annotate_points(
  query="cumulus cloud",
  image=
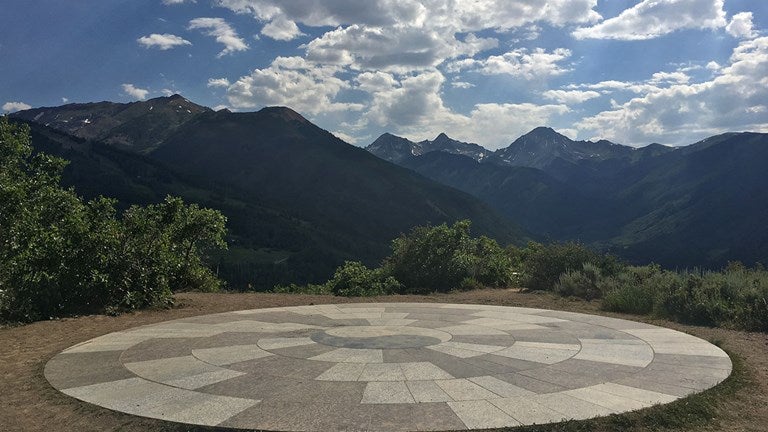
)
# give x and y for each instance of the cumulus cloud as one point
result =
(218, 82)
(294, 82)
(735, 99)
(135, 92)
(10, 107)
(519, 63)
(281, 29)
(414, 108)
(400, 49)
(163, 41)
(406, 35)
(741, 25)
(571, 97)
(462, 84)
(222, 31)
(653, 18)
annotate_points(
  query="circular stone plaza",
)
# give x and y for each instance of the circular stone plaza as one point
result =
(387, 367)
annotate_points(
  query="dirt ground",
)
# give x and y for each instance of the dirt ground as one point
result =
(29, 403)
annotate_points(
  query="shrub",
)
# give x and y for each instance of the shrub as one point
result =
(542, 265)
(439, 258)
(632, 290)
(60, 255)
(583, 284)
(355, 279)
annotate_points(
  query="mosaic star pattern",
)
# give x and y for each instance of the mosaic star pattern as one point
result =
(387, 367)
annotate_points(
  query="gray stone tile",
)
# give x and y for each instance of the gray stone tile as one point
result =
(427, 391)
(464, 390)
(529, 383)
(81, 369)
(418, 417)
(395, 392)
(154, 349)
(571, 407)
(481, 414)
(501, 388)
(562, 378)
(526, 411)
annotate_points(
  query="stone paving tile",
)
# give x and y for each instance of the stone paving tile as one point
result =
(464, 389)
(526, 411)
(81, 369)
(222, 356)
(387, 393)
(501, 388)
(629, 353)
(494, 366)
(382, 372)
(481, 414)
(571, 407)
(427, 391)
(410, 417)
(418, 371)
(154, 349)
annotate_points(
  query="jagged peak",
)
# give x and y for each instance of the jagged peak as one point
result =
(284, 113)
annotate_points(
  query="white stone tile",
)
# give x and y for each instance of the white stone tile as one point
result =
(427, 391)
(485, 349)
(391, 392)
(501, 388)
(629, 354)
(526, 411)
(261, 327)
(571, 407)
(611, 401)
(645, 396)
(481, 415)
(222, 356)
(132, 395)
(200, 408)
(390, 322)
(695, 348)
(350, 355)
(417, 371)
(382, 372)
(464, 390)
(505, 325)
(518, 317)
(456, 352)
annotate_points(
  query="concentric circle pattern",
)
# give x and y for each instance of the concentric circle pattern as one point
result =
(387, 366)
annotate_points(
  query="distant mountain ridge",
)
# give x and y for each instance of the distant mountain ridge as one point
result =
(396, 149)
(693, 206)
(299, 201)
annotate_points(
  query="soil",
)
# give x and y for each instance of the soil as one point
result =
(29, 403)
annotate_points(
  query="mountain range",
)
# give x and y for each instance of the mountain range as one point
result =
(299, 201)
(700, 205)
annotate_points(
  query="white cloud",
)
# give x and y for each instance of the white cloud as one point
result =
(10, 107)
(415, 109)
(741, 25)
(294, 82)
(281, 29)
(64, 100)
(163, 41)
(222, 31)
(406, 35)
(398, 49)
(372, 82)
(713, 66)
(345, 137)
(537, 64)
(218, 82)
(571, 97)
(669, 77)
(734, 100)
(653, 18)
(462, 84)
(176, 2)
(135, 92)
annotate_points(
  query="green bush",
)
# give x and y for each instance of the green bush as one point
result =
(439, 258)
(60, 255)
(542, 265)
(633, 290)
(353, 279)
(582, 284)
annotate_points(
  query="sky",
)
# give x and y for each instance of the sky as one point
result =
(484, 71)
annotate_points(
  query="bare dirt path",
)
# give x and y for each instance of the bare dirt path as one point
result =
(29, 403)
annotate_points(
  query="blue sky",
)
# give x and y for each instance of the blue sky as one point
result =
(484, 71)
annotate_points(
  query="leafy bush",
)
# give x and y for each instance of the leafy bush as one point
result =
(633, 290)
(60, 255)
(354, 279)
(583, 284)
(439, 258)
(542, 265)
